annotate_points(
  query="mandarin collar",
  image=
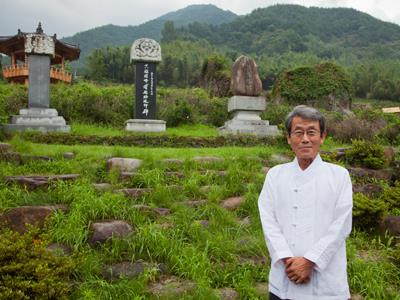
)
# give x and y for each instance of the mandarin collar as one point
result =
(310, 169)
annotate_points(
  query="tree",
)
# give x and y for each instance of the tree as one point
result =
(168, 32)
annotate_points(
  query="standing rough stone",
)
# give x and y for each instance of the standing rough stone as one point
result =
(245, 79)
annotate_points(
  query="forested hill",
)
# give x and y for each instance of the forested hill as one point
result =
(124, 35)
(282, 28)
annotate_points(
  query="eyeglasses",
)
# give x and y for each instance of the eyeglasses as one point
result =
(312, 133)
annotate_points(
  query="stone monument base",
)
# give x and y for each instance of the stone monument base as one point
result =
(246, 117)
(254, 127)
(145, 125)
(38, 119)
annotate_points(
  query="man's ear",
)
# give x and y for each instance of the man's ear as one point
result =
(288, 138)
(323, 137)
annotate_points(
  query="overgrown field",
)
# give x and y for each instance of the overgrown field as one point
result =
(201, 249)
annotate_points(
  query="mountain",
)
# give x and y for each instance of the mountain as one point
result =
(282, 28)
(125, 35)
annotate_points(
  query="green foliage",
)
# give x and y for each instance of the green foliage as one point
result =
(29, 271)
(88, 103)
(391, 196)
(178, 113)
(168, 32)
(367, 212)
(366, 154)
(215, 75)
(315, 85)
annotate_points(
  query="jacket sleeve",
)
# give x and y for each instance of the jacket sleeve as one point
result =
(276, 242)
(324, 249)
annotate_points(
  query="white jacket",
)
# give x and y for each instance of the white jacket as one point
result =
(308, 213)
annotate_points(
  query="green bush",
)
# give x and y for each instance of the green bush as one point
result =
(367, 212)
(179, 113)
(325, 85)
(391, 196)
(30, 271)
(366, 154)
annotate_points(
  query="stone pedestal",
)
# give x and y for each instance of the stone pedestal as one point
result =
(246, 117)
(145, 125)
(41, 119)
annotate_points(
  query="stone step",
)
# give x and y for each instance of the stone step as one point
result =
(36, 181)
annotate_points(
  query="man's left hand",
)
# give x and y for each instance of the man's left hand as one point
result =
(299, 269)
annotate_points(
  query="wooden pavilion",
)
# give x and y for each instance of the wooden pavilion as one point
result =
(18, 70)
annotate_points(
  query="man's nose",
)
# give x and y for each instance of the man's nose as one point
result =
(305, 139)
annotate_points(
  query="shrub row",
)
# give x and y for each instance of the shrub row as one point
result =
(85, 102)
(151, 140)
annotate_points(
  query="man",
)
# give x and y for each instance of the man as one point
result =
(306, 214)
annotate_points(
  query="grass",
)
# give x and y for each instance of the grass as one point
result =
(227, 253)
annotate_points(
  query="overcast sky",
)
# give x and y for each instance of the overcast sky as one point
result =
(67, 17)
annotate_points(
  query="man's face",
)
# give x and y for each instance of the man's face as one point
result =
(305, 138)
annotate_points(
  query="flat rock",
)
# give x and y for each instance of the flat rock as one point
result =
(265, 170)
(214, 173)
(68, 155)
(245, 221)
(228, 294)
(11, 157)
(60, 249)
(262, 289)
(173, 161)
(207, 159)
(384, 174)
(194, 203)
(356, 297)
(27, 157)
(133, 192)
(127, 175)
(4, 147)
(370, 190)
(205, 189)
(36, 181)
(203, 223)
(104, 230)
(171, 287)
(124, 164)
(17, 218)
(391, 225)
(245, 79)
(281, 158)
(159, 211)
(123, 270)
(174, 174)
(102, 187)
(389, 154)
(232, 203)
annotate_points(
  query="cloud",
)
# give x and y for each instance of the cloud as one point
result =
(67, 17)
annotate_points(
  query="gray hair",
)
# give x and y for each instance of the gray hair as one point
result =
(305, 112)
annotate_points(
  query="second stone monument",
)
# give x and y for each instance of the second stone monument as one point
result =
(247, 104)
(146, 53)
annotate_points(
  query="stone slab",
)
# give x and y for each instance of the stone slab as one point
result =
(246, 103)
(145, 125)
(39, 81)
(253, 127)
(37, 119)
(42, 128)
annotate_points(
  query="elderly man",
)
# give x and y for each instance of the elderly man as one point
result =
(306, 214)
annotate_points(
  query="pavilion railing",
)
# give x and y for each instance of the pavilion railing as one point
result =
(22, 70)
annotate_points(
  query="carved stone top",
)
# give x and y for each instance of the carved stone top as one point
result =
(146, 50)
(39, 43)
(245, 79)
